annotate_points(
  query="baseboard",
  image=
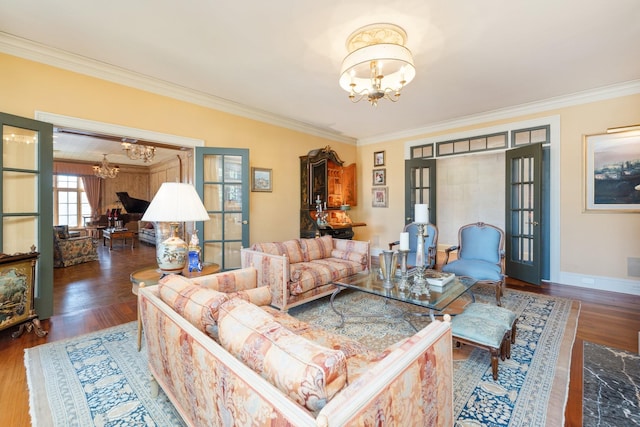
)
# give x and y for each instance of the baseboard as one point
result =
(611, 284)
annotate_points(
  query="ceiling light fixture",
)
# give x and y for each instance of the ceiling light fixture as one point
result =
(378, 65)
(105, 170)
(145, 153)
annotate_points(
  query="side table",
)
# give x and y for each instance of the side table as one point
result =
(150, 276)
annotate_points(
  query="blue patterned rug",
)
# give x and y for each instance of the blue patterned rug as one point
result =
(100, 379)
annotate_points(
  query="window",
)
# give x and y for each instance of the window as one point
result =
(69, 201)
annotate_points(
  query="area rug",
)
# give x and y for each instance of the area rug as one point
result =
(532, 386)
(611, 387)
(100, 379)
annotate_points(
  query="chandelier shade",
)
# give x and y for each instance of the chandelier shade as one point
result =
(378, 64)
(105, 170)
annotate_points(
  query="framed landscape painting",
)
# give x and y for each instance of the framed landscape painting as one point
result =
(612, 172)
(261, 179)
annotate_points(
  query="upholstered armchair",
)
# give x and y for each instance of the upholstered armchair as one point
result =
(69, 251)
(430, 244)
(480, 255)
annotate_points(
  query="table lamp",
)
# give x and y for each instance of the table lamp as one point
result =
(174, 203)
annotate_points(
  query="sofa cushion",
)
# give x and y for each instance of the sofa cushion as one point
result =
(196, 304)
(306, 372)
(290, 248)
(317, 248)
(229, 281)
(319, 272)
(359, 257)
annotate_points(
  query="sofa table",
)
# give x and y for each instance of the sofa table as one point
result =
(111, 234)
(152, 274)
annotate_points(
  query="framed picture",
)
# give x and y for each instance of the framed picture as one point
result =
(378, 158)
(612, 172)
(379, 177)
(261, 179)
(379, 197)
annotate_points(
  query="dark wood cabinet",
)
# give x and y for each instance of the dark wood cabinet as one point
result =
(329, 187)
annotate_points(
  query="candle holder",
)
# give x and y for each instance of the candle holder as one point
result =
(404, 274)
(420, 284)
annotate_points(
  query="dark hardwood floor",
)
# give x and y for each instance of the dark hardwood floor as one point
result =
(96, 295)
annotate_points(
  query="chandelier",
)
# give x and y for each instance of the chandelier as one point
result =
(378, 65)
(146, 153)
(105, 170)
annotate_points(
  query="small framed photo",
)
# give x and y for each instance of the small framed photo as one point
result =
(379, 197)
(378, 158)
(379, 177)
(261, 180)
(612, 172)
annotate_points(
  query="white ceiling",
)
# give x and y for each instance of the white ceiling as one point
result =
(280, 59)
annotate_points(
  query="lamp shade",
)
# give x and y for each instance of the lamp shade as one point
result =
(176, 202)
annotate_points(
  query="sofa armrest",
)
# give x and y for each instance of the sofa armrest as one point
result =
(418, 371)
(272, 270)
(229, 281)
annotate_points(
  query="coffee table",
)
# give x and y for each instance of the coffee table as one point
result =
(434, 301)
(111, 234)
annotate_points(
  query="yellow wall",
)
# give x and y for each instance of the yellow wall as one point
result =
(592, 245)
(27, 86)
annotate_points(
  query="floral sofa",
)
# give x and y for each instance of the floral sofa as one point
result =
(224, 357)
(301, 270)
(68, 251)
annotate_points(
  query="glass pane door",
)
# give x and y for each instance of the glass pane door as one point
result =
(222, 177)
(26, 202)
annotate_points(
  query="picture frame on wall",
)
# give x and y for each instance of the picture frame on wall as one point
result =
(378, 158)
(261, 179)
(612, 172)
(379, 177)
(379, 197)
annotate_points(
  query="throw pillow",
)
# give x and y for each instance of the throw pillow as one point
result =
(62, 231)
(317, 248)
(305, 371)
(196, 304)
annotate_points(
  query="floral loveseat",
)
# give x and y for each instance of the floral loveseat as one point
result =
(300, 270)
(68, 251)
(224, 357)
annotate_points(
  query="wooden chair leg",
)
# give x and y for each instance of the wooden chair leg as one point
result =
(494, 363)
(498, 294)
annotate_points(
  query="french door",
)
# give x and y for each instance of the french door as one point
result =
(222, 181)
(523, 223)
(26, 201)
(420, 187)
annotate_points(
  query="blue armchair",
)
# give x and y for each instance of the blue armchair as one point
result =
(480, 255)
(430, 244)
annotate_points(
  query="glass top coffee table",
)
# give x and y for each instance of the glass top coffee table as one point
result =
(436, 300)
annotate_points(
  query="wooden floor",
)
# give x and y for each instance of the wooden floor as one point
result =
(92, 296)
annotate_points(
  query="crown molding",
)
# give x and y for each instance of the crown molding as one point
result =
(38, 52)
(584, 97)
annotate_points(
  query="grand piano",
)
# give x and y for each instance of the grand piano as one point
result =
(132, 205)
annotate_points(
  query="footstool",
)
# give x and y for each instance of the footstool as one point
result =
(480, 332)
(493, 313)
